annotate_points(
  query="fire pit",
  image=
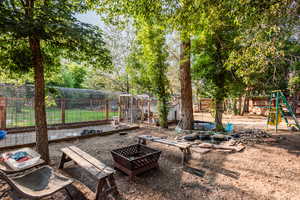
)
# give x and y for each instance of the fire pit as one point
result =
(135, 159)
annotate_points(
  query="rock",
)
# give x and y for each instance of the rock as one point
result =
(190, 137)
(204, 137)
(236, 135)
(90, 132)
(219, 137)
(251, 136)
(186, 131)
(206, 145)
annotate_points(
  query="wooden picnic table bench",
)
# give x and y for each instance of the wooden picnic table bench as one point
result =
(183, 146)
(101, 172)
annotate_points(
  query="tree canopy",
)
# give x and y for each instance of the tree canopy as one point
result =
(37, 34)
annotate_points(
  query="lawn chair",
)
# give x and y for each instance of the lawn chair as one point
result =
(39, 183)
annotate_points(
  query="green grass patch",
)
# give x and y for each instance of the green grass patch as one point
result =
(26, 116)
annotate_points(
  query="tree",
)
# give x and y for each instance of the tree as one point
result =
(118, 40)
(137, 71)
(151, 39)
(266, 60)
(71, 75)
(44, 29)
(234, 46)
(186, 94)
(177, 16)
(212, 44)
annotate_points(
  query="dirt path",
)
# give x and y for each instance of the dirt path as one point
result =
(265, 171)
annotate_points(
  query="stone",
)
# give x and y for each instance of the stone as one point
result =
(190, 137)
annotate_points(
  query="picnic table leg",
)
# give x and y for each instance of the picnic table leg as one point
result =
(100, 193)
(4, 193)
(183, 156)
(142, 141)
(62, 161)
(112, 184)
(186, 153)
(69, 193)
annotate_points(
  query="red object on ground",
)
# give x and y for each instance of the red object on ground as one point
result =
(23, 159)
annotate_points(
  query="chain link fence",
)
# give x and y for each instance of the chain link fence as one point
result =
(63, 106)
(19, 112)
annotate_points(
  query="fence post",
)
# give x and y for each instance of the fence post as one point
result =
(106, 110)
(120, 108)
(2, 113)
(63, 111)
(200, 105)
(149, 110)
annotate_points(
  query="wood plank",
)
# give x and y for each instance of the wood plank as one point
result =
(101, 166)
(165, 141)
(173, 143)
(148, 137)
(84, 163)
(200, 150)
(224, 147)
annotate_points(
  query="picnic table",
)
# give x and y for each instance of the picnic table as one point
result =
(101, 172)
(183, 146)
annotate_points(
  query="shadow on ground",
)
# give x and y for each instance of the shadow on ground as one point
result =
(199, 180)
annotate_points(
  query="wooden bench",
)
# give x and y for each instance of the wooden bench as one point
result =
(183, 146)
(102, 173)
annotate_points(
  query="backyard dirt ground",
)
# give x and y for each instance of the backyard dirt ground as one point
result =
(262, 171)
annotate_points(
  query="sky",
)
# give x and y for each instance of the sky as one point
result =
(90, 17)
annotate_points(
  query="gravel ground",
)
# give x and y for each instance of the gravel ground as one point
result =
(262, 171)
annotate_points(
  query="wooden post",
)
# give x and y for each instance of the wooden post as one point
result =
(2, 113)
(200, 105)
(149, 110)
(142, 109)
(63, 111)
(106, 110)
(120, 110)
(91, 104)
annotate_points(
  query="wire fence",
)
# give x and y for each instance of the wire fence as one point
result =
(19, 112)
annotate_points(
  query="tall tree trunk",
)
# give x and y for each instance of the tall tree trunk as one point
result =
(294, 101)
(39, 99)
(240, 105)
(127, 85)
(235, 110)
(244, 104)
(219, 99)
(219, 113)
(163, 112)
(186, 86)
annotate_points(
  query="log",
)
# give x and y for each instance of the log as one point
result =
(214, 146)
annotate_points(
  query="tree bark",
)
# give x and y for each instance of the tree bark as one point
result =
(235, 110)
(219, 113)
(294, 102)
(219, 99)
(244, 105)
(186, 86)
(39, 99)
(240, 105)
(163, 113)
